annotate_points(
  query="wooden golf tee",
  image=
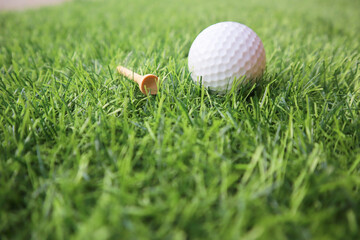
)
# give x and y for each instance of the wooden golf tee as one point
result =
(147, 83)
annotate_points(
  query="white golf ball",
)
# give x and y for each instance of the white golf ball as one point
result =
(225, 53)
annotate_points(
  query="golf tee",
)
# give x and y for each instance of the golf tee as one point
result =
(147, 83)
(130, 74)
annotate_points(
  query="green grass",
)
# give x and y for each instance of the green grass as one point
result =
(84, 155)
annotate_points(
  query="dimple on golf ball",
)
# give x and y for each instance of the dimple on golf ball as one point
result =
(224, 54)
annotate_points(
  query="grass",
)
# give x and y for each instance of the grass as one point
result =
(84, 155)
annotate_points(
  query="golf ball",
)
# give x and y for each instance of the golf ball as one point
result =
(226, 53)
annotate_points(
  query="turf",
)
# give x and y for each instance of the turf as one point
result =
(84, 155)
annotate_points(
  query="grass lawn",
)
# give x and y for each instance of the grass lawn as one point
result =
(84, 155)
